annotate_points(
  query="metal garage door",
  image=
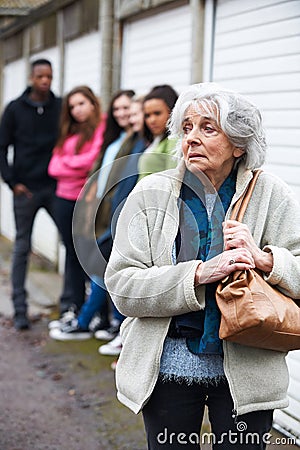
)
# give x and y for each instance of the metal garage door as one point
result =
(14, 82)
(157, 50)
(257, 51)
(82, 62)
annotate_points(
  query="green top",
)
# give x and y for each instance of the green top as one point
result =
(161, 157)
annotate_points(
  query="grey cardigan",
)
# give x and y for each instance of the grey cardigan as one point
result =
(148, 288)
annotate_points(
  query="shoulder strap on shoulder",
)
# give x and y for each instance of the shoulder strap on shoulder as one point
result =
(241, 205)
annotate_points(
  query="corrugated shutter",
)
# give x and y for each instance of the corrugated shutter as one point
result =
(14, 82)
(257, 52)
(289, 418)
(83, 62)
(157, 50)
(7, 223)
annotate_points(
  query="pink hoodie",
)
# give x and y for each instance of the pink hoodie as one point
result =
(70, 169)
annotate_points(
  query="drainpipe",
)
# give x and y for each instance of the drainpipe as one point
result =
(209, 38)
(2, 212)
(197, 13)
(1, 75)
(26, 52)
(107, 33)
(61, 50)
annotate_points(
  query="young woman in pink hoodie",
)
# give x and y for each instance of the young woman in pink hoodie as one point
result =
(81, 136)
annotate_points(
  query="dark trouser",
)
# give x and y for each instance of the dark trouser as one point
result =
(74, 276)
(174, 414)
(25, 210)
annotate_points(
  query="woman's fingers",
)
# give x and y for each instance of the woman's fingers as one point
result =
(239, 256)
(224, 264)
(237, 235)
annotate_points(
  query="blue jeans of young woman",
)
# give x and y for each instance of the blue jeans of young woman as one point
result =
(173, 417)
(74, 276)
(25, 210)
(96, 302)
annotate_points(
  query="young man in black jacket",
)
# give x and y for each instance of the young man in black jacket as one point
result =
(29, 124)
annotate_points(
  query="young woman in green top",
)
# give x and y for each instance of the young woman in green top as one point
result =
(159, 155)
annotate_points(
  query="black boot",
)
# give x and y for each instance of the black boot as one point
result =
(21, 321)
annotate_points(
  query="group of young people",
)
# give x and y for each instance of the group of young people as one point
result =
(80, 157)
(135, 144)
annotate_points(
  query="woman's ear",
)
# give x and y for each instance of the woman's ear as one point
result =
(238, 152)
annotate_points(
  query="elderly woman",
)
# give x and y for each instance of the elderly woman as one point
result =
(174, 242)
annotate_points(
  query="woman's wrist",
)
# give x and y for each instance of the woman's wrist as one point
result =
(198, 274)
(265, 262)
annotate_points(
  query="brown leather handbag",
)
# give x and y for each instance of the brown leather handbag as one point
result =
(253, 312)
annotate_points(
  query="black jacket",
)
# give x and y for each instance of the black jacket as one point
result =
(32, 130)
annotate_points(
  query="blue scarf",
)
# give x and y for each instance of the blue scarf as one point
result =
(201, 237)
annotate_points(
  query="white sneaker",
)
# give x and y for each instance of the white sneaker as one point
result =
(107, 334)
(113, 348)
(54, 324)
(68, 316)
(75, 335)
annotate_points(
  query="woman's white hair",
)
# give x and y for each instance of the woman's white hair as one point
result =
(236, 116)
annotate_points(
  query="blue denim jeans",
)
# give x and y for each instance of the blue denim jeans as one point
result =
(97, 302)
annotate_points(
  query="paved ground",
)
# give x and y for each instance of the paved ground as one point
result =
(53, 395)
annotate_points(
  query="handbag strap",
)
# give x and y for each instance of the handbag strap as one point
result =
(242, 203)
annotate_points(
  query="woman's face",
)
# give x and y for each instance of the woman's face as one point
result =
(206, 148)
(121, 108)
(81, 108)
(156, 116)
(136, 118)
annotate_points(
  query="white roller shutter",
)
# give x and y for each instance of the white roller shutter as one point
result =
(289, 419)
(83, 62)
(14, 80)
(157, 50)
(14, 83)
(257, 52)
